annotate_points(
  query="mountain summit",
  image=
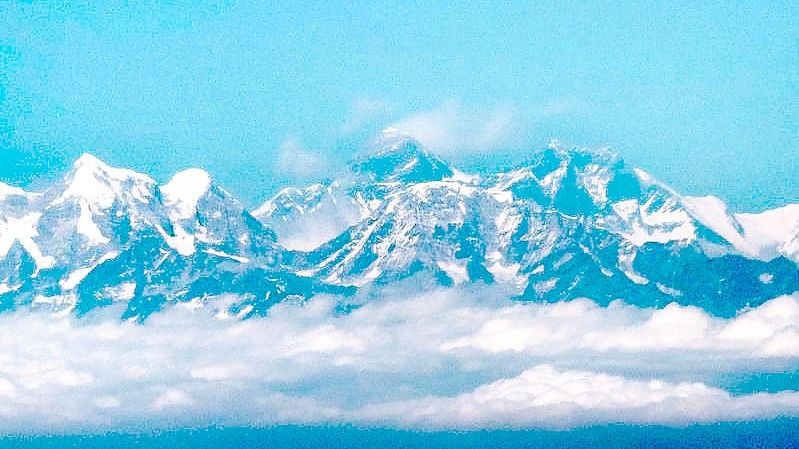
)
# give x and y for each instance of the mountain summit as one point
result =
(395, 156)
(569, 223)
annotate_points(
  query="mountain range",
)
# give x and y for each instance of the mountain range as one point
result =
(568, 223)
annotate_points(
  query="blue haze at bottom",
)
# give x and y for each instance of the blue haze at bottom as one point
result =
(780, 433)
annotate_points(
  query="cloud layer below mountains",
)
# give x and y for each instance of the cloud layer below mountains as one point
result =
(443, 359)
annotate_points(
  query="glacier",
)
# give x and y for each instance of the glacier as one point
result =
(567, 223)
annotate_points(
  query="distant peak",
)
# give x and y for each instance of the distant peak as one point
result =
(185, 189)
(602, 152)
(88, 160)
(555, 144)
(191, 176)
(97, 183)
(580, 156)
(392, 140)
(90, 166)
(394, 155)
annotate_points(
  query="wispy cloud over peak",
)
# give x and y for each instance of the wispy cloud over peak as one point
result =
(295, 159)
(453, 126)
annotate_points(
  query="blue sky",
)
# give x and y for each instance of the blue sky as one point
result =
(263, 94)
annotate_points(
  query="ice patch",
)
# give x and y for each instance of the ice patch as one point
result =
(74, 278)
(626, 259)
(5, 288)
(24, 230)
(182, 241)
(88, 228)
(217, 253)
(122, 292)
(594, 179)
(668, 223)
(712, 212)
(668, 290)
(7, 190)
(545, 286)
(455, 271)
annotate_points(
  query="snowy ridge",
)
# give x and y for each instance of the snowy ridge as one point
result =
(571, 222)
(565, 224)
(765, 233)
(98, 185)
(11, 191)
(104, 234)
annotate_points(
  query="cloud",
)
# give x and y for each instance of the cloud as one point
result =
(451, 126)
(329, 218)
(766, 331)
(171, 398)
(547, 397)
(559, 107)
(449, 358)
(295, 159)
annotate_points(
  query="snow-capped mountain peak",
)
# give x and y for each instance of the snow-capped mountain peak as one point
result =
(105, 234)
(99, 184)
(395, 156)
(88, 165)
(88, 160)
(391, 140)
(571, 221)
(184, 190)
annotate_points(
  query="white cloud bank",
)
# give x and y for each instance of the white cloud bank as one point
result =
(443, 359)
(548, 397)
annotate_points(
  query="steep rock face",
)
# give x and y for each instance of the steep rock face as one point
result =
(20, 256)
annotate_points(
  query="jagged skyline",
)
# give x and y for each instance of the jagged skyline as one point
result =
(234, 88)
(573, 222)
